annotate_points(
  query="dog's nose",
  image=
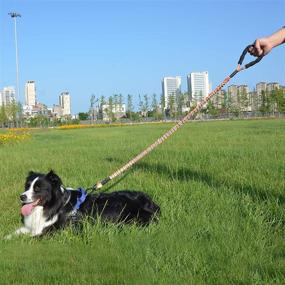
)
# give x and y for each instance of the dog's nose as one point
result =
(23, 197)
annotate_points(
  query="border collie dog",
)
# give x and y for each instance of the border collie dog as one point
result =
(47, 205)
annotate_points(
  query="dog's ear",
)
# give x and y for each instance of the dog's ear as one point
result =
(53, 178)
(31, 173)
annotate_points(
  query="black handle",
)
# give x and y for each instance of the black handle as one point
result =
(246, 50)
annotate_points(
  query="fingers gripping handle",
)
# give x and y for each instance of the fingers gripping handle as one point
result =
(241, 59)
(245, 51)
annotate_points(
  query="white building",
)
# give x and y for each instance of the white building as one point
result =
(233, 95)
(219, 99)
(243, 98)
(198, 85)
(30, 93)
(261, 87)
(118, 111)
(57, 111)
(1, 98)
(7, 95)
(64, 102)
(171, 86)
(273, 86)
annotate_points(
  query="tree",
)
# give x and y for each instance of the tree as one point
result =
(280, 100)
(145, 104)
(181, 101)
(265, 102)
(120, 101)
(141, 105)
(12, 111)
(162, 101)
(92, 101)
(154, 106)
(92, 109)
(110, 109)
(211, 110)
(83, 116)
(116, 101)
(162, 104)
(243, 100)
(172, 105)
(129, 106)
(38, 121)
(3, 116)
(102, 100)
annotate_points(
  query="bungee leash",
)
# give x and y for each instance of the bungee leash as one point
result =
(190, 115)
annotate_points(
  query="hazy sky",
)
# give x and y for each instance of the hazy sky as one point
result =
(108, 47)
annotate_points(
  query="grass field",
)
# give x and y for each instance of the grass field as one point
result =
(220, 186)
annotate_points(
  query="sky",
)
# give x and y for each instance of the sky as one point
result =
(110, 47)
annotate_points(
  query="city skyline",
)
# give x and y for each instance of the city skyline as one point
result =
(266, 97)
(123, 47)
(7, 94)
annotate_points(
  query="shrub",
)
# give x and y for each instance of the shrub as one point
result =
(14, 136)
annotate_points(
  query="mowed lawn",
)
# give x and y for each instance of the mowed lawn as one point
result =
(220, 186)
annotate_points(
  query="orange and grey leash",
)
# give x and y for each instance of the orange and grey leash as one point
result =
(190, 115)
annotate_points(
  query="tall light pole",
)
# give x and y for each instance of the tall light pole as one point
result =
(14, 15)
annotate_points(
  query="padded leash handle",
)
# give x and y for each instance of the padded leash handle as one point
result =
(241, 59)
(245, 51)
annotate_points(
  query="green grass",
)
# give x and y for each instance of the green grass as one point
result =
(220, 186)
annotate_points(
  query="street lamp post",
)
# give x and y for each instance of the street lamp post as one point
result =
(14, 15)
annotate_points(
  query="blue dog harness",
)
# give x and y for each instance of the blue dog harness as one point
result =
(80, 200)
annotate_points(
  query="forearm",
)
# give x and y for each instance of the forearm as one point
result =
(277, 38)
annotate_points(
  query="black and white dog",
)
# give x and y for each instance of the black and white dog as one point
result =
(47, 205)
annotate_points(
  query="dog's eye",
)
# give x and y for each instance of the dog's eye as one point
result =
(36, 188)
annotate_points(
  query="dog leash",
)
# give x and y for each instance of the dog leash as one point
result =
(190, 115)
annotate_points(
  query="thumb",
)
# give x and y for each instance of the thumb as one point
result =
(258, 47)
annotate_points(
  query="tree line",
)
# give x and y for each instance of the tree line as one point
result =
(153, 106)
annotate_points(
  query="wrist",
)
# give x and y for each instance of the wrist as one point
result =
(271, 42)
(277, 38)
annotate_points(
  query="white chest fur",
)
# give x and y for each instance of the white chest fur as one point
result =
(36, 222)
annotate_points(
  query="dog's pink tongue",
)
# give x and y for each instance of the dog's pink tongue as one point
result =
(27, 209)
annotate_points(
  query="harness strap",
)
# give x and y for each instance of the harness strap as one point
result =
(80, 199)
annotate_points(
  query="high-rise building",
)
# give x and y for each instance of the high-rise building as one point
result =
(30, 93)
(219, 99)
(198, 85)
(171, 87)
(238, 96)
(64, 102)
(261, 86)
(243, 98)
(254, 101)
(233, 94)
(242, 89)
(272, 86)
(8, 95)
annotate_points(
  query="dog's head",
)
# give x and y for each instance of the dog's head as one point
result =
(40, 190)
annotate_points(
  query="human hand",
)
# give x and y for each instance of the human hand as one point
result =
(261, 47)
